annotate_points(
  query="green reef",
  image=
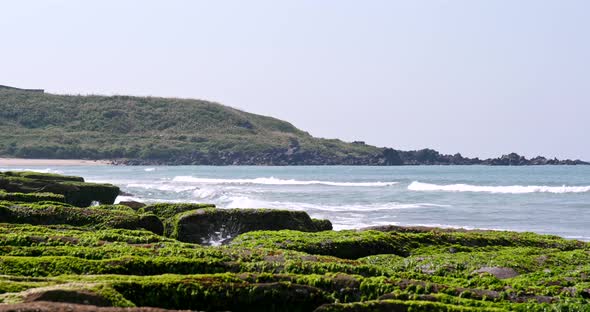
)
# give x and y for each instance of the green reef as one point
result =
(64, 245)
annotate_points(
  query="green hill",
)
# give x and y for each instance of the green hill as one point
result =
(159, 130)
(151, 130)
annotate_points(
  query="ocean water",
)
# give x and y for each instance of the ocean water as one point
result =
(546, 199)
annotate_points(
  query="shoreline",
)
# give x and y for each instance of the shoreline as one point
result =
(52, 162)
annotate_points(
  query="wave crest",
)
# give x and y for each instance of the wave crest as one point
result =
(275, 181)
(248, 202)
(510, 189)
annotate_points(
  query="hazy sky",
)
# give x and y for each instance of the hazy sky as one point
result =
(477, 77)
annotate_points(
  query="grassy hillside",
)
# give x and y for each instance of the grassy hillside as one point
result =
(159, 130)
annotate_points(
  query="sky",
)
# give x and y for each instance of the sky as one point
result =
(479, 77)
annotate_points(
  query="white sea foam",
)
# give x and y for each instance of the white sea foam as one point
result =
(207, 193)
(511, 189)
(162, 187)
(275, 181)
(149, 169)
(46, 170)
(121, 198)
(248, 202)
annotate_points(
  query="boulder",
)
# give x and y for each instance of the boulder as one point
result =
(74, 189)
(151, 223)
(168, 210)
(208, 225)
(95, 217)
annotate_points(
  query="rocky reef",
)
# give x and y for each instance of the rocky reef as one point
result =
(382, 157)
(73, 189)
(55, 256)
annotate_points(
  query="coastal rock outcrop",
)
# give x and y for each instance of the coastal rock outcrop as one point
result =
(210, 225)
(58, 257)
(74, 189)
(52, 213)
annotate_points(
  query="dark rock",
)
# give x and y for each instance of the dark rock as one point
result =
(99, 217)
(132, 204)
(391, 157)
(151, 223)
(207, 225)
(322, 224)
(169, 210)
(75, 190)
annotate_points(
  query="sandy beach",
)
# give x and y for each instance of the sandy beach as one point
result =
(51, 162)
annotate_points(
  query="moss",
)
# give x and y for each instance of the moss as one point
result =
(356, 244)
(168, 210)
(75, 191)
(32, 197)
(43, 176)
(13, 284)
(341, 244)
(398, 305)
(322, 224)
(130, 265)
(97, 217)
(412, 270)
(221, 294)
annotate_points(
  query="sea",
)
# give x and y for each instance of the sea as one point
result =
(541, 199)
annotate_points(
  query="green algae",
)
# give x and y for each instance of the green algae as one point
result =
(32, 197)
(74, 189)
(112, 253)
(169, 210)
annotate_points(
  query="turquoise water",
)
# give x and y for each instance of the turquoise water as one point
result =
(548, 199)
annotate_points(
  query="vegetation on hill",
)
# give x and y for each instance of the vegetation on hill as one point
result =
(58, 257)
(151, 130)
(160, 130)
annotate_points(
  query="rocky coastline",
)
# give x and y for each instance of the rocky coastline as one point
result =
(64, 246)
(388, 157)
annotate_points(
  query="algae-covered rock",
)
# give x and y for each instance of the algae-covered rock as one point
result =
(97, 217)
(168, 210)
(348, 244)
(69, 296)
(401, 306)
(74, 189)
(223, 293)
(151, 223)
(32, 197)
(132, 204)
(208, 224)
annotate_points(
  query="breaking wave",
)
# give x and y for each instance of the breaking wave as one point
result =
(46, 170)
(512, 189)
(248, 202)
(275, 181)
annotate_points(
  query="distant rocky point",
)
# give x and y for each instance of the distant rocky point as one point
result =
(432, 157)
